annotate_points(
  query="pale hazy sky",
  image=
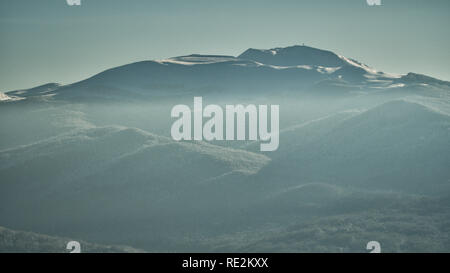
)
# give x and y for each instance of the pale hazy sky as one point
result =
(48, 41)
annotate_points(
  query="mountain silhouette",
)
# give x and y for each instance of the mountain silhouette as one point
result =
(292, 56)
(277, 70)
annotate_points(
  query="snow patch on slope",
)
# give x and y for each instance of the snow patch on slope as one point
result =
(4, 97)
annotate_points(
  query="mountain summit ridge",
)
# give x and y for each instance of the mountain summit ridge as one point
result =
(293, 55)
(294, 68)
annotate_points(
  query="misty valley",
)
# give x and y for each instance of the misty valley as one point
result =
(362, 156)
